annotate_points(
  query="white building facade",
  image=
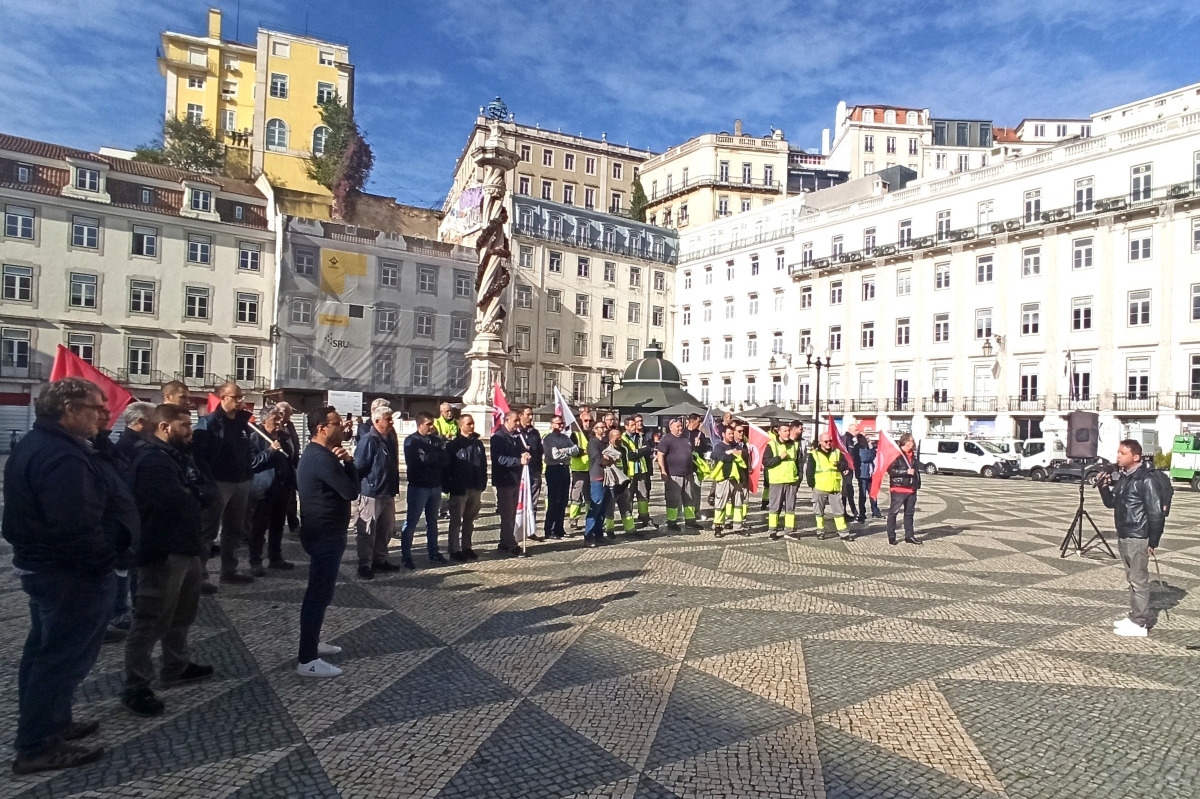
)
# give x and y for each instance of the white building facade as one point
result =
(996, 300)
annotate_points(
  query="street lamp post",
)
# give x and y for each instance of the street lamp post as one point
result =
(606, 385)
(817, 362)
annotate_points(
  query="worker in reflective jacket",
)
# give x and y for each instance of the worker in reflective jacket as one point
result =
(782, 469)
(825, 469)
(579, 472)
(729, 468)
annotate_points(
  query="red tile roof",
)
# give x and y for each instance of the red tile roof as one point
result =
(1003, 135)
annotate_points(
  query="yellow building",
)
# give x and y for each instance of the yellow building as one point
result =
(260, 99)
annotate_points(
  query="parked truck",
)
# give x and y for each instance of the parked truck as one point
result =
(1185, 460)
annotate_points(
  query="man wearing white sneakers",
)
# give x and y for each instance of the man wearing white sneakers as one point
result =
(1139, 507)
(327, 481)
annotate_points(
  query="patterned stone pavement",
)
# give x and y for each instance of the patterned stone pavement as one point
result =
(978, 665)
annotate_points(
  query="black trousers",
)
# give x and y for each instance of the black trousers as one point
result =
(901, 503)
(558, 487)
(266, 524)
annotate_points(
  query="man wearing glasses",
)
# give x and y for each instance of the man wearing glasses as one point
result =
(57, 500)
(222, 448)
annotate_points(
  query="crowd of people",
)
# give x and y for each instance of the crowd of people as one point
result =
(118, 540)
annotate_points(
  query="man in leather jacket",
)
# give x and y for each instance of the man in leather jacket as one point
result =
(1137, 504)
(904, 480)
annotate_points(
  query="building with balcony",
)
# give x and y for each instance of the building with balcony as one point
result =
(957, 145)
(589, 292)
(994, 300)
(259, 98)
(868, 138)
(378, 307)
(149, 273)
(714, 176)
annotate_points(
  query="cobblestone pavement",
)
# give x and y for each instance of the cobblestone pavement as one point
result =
(978, 665)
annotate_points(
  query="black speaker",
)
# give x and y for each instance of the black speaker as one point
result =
(1083, 434)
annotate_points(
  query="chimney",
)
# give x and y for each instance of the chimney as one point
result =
(737, 127)
(825, 141)
(214, 23)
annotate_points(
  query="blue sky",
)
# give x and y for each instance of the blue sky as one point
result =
(652, 74)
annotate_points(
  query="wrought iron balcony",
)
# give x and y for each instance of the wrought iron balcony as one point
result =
(900, 405)
(937, 405)
(252, 383)
(1078, 404)
(203, 380)
(864, 405)
(151, 377)
(1028, 403)
(27, 370)
(980, 404)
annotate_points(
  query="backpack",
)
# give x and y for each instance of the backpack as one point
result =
(1165, 489)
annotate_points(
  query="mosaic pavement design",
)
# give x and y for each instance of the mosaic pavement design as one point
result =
(977, 665)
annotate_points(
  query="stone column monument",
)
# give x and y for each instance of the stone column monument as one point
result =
(487, 355)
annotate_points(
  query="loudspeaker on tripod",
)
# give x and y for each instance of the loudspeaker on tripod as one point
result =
(1083, 434)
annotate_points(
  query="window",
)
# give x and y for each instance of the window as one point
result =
(326, 92)
(145, 241)
(1033, 205)
(389, 274)
(868, 167)
(195, 302)
(778, 300)
(523, 185)
(85, 232)
(1039, 130)
(608, 308)
(245, 363)
(298, 363)
(1029, 383)
(835, 338)
(607, 348)
(1030, 318)
(777, 341)
(138, 352)
(868, 144)
(983, 269)
(707, 314)
(943, 225)
(615, 206)
(610, 272)
(281, 49)
(903, 282)
(1140, 179)
(14, 348)
(277, 134)
(657, 316)
(779, 261)
(248, 257)
(729, 270)
(904, 238)
(941, 327)
(195, 113)
(891, 142)
(835, 293)
(837, 246)
(747, 173)
(426, 280)
(423, 324)
(869, 239)
(867, 338)
(1081, 253)
(983, 323)
(729, 310)
(83, 290)
(523, 337)
(1196, 234)
(18, 222)
(383, 369)
(238, 212)
(325, 58)
(247, 308)
(319, 138)
(752, 305)
(1139, 308)
(635, 313)
(1196, 302)
(552, 340)
(555, 264)
(1031, 261)
(687, 315)
(459, 328)
(582, 304)
(279, 86)
(547, 157)
(751, 346)
(568, 194)
(301, 312)
(141, 296)
(685, 353)
(939, 160)
(964, 162)
(463, 287)
(83, 345)
(1137, 377)
(589, 198)
(705, 350)
(1081, 313)
(912, 144)
(1139, 244)
(1083, 195)
(24, 173)
(941, 276)
(201, 200)
(18, 283)
(554, 301)
(1081, 380)
(584, 267)
(903, 331)
(87, 179)
(523, 296)
(728, 348)
(420, 370)
(228, 119)
(658, 280)
(726, 391)
(868, 288)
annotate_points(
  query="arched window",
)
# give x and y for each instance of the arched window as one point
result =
(868, 115)
(889, 117)
(320, 136)
(277, 134)
(910, 118)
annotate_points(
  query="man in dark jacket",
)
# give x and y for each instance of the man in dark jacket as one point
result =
(138, 428)
(289, 438)
(222, 448)
(271, 488)
(327, 481)
(531, 439)
(904, 480)
(424, 460)
(170, 498)
(508, 457)
(379, 464)
(56, 496)
(464, 479)
(849, 483)
(1139, 512)
(559, 448)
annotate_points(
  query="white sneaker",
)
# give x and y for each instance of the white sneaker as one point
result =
(317, 668)
(1121, 622)
(1130, 630)
(328, 649)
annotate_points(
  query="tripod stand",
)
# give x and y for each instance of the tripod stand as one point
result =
(1074, 537)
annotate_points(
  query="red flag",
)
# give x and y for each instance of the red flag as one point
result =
(756, 447)
(68, 364)
(837, 441)
(884, 455)
(214, 402)
(499, 407)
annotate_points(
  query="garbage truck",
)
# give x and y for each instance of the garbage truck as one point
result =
(1185, 460)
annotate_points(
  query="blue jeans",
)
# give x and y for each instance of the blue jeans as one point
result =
(324, 559)
(864, 493)
(427, 500)
(597, 510)
(69, 614)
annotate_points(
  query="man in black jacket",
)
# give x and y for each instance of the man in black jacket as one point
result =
(56, 496)
(531, 440)
(170, 496)
(221, 446)
(424, 460)
(290, 440)
(379, 464)
(464, 479)
(559, 448)
(1139, 512)
(272, 487)
(509, 456)
(327, 481)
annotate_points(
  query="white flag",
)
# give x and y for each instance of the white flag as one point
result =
(526, 522)
(563, 409)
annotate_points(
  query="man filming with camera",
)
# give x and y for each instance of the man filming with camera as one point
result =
(1139, 508)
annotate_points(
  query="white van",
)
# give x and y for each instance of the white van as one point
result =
(1040, 453)
(965, 455)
